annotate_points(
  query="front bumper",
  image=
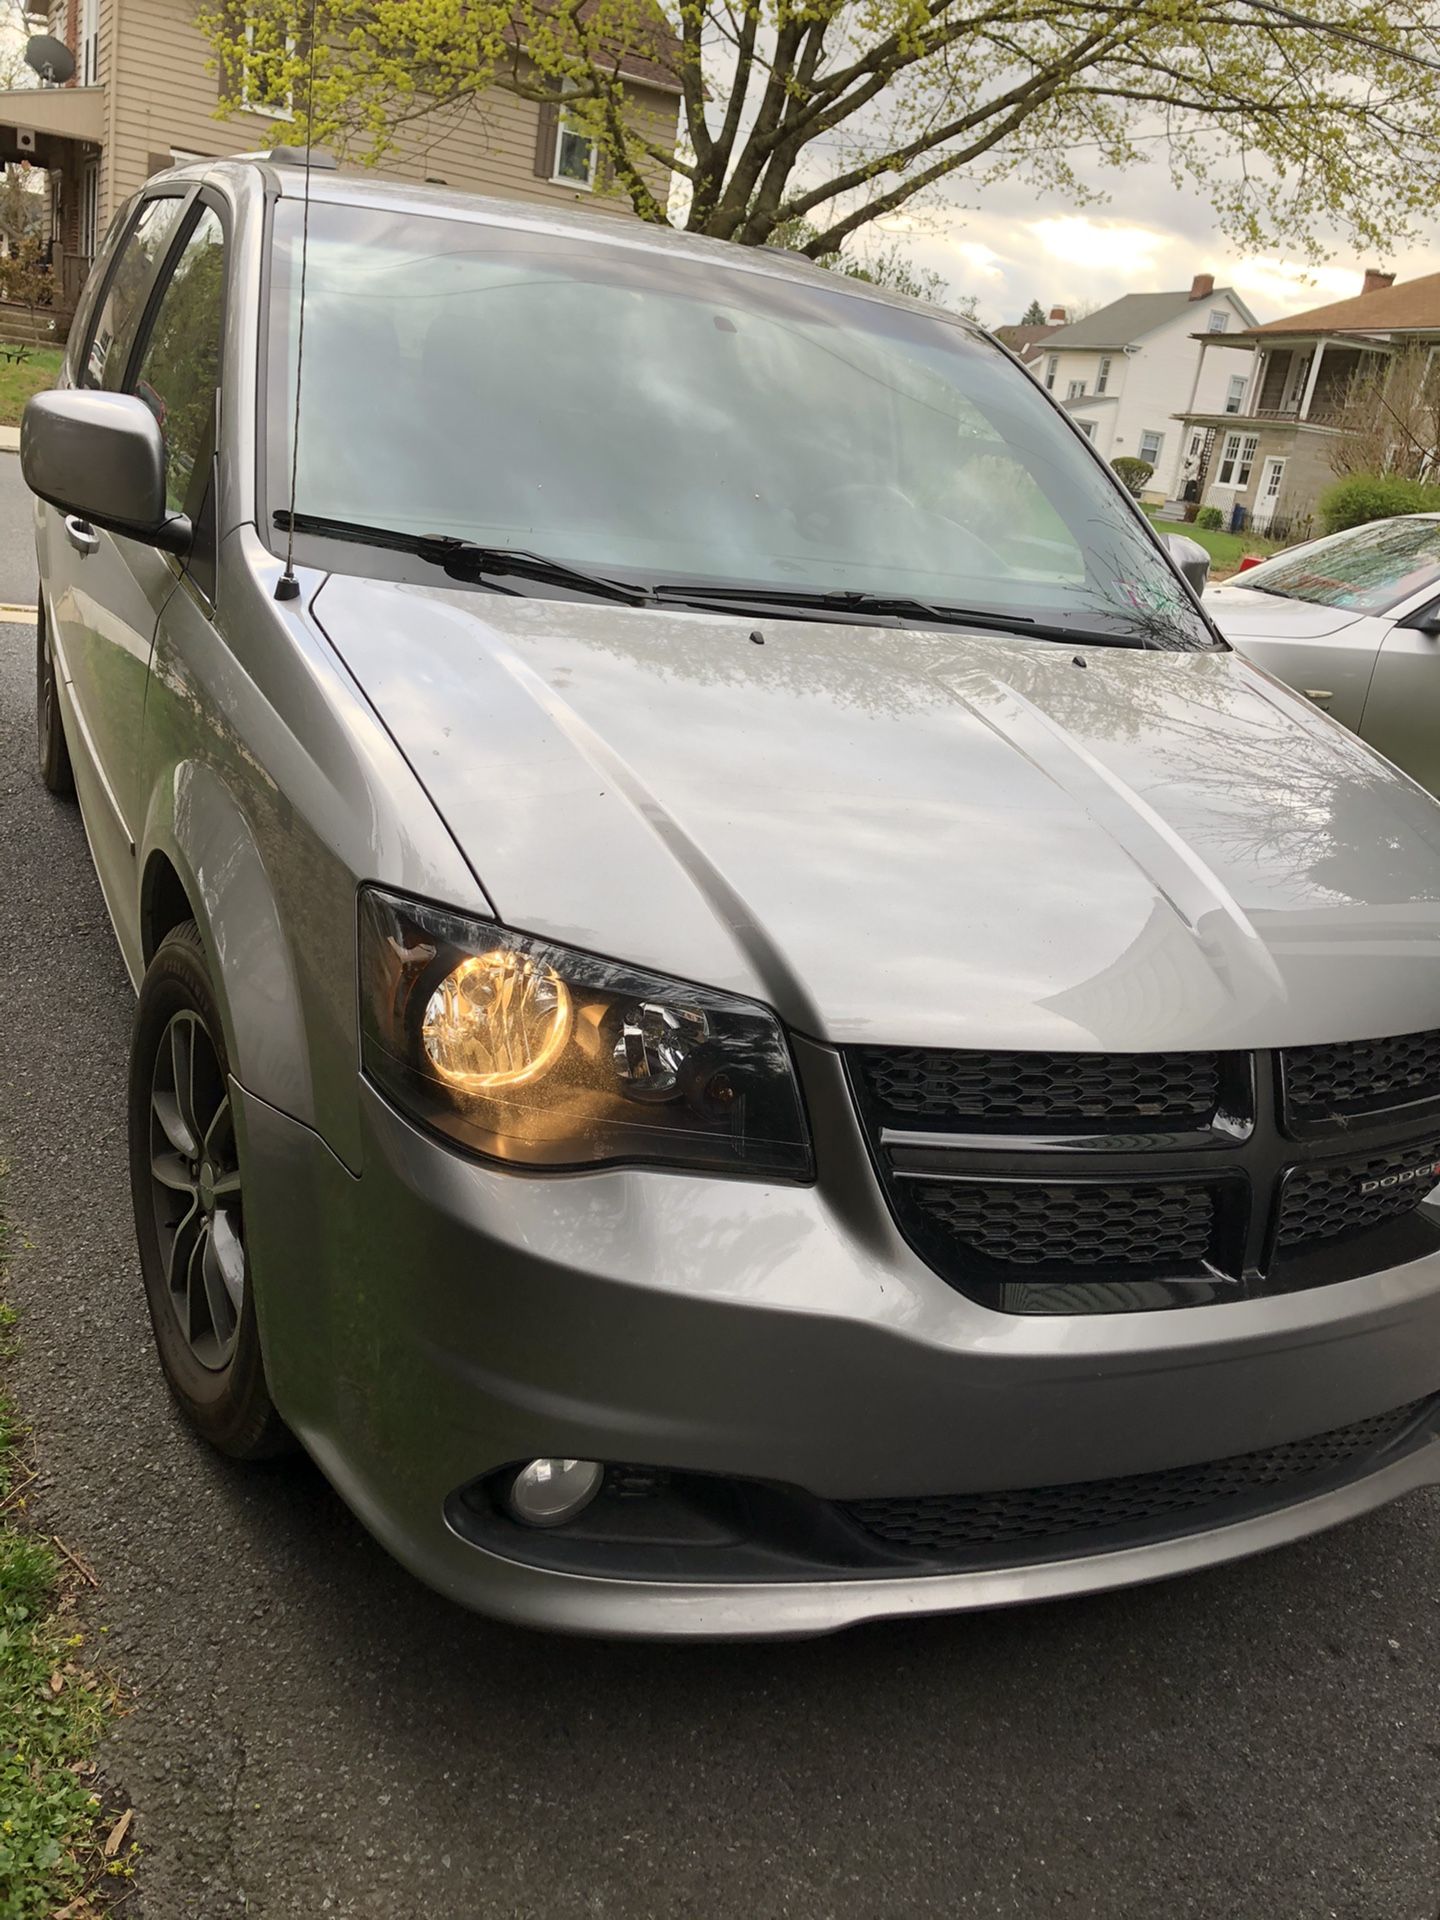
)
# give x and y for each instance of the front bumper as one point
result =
(434, 1318)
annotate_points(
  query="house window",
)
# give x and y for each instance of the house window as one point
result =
(1087, 427)
(1237, 457)
(1075, 390)
(263, 89)
(1219, 320)
(1150, 445)
(1235, 397)
(89, 34)
(1102, 379)
(1052, 367)
(575, 155)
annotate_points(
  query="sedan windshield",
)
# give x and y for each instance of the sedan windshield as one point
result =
(683, 421)
(1367, 570)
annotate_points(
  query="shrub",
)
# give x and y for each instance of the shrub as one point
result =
(1133, 473)
(1373, 496)
(1211, 519)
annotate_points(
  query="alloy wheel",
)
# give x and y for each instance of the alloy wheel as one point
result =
(195, 1185)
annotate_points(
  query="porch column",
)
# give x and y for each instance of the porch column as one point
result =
(1257, 381)
(1310, 384)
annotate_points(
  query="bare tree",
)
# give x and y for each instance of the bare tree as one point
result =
(1389, 414)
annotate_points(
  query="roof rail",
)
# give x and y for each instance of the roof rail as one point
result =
(321, 159)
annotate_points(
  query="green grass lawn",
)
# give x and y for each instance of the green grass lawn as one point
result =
(1226, 550)
(19, 380)
(53, 1833)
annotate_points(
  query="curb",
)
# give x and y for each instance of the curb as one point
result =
(9, 439)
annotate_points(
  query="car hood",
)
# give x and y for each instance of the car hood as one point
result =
(1246, 613)
(916, 837)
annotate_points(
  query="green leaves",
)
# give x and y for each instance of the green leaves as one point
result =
(1289, 119)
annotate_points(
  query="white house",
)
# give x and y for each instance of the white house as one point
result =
(1125, 371)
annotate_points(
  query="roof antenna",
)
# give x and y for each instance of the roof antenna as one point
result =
(287, 587)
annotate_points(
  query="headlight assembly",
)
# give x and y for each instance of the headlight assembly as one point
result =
(537, 1055)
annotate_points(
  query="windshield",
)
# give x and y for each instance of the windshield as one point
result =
(1367, 570)
(661, 419)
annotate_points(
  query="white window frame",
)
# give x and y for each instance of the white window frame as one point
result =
(88, 35)
(1052, 367)
(1102, 378)
(1075, 390)
(559, 179)
(1087, 427)
(1235, 394)
(1218, 322)
(1151, 459)
(1237, 458)
(247, 105)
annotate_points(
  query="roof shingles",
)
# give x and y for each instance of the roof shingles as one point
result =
(1134, 314)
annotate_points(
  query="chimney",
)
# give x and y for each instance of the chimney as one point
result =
(1057, 316)
(1202, 286)
(1375, 281)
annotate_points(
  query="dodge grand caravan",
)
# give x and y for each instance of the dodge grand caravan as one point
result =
(746, 1020)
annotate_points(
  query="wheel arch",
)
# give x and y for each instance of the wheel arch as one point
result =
(202, 863)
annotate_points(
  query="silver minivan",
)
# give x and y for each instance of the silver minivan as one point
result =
(746, 1020)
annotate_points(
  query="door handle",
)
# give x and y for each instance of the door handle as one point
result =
(81, 535)
(1322, 696)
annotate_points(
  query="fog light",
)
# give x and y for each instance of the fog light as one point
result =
(547, 1493)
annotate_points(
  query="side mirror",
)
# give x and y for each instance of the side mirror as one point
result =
(1190, 557)
(1426, 620)
(101, 456)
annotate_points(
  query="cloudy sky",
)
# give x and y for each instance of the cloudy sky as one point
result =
(1144, 238)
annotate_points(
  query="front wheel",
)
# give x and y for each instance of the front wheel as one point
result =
(55, 769)
(187, 1185)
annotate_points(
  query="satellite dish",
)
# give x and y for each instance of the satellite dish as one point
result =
(50, 58)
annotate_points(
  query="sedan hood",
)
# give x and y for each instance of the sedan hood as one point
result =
(1246, 613)
(916, 837)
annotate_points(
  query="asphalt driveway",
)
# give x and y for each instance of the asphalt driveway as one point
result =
(315, 1735)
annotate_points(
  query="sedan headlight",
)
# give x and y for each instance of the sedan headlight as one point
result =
(535, 1054)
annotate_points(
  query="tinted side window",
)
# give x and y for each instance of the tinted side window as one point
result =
(179, 370)
(124, 300)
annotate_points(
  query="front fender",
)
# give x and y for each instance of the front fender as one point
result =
(198, 826)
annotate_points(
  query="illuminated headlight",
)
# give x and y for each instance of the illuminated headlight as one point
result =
(538, 1055)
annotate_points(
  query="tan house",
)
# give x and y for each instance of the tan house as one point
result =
(145, 95)
(1269, 456)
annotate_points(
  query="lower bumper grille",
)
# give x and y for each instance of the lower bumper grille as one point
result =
(950, 1524)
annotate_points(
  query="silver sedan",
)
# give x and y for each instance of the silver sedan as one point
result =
(1353, 622)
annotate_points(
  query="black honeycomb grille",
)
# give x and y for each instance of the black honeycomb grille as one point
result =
(1331, 1198)
(1080, 1225)
(951, 1523)
(1360, 1076)
(1118, 1090)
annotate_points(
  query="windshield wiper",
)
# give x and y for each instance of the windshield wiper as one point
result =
(466, 559)
(840, 601)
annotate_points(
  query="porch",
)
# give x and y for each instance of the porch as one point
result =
(60, 132)
(1308, 380)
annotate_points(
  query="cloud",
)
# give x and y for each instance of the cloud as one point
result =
(1100, 245)
(981, 262)
(1290, 287)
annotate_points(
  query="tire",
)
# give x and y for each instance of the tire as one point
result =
(54, 755)
(185, 1181)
